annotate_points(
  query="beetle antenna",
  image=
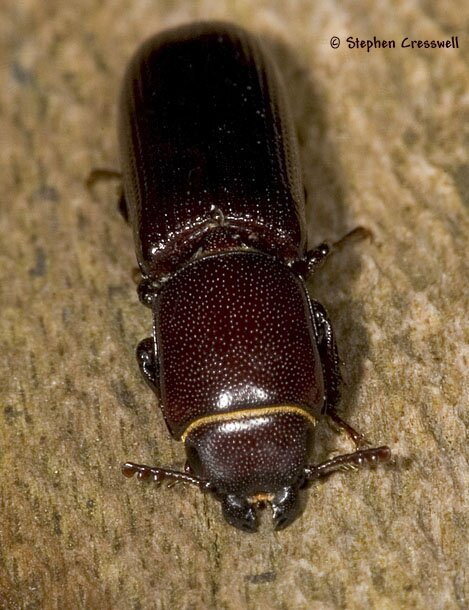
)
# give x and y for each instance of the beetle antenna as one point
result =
(160, 474)
(363, 457)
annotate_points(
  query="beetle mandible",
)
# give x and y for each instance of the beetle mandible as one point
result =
(243, 360)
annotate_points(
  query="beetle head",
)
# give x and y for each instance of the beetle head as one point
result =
(241, 511)
(251, 461)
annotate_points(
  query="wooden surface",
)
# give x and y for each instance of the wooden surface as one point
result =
(384, 143)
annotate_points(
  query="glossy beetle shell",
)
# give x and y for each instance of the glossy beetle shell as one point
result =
(243, 360)
(205, 136)
(234, 332)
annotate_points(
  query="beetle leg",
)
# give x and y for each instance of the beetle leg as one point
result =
(363, 457)
(357, 234)
(159, 474)
(146, 291)
(96, 175)
(148, 362)
(315, 257)
(331, 371)
(122, 206)
(329, 356)
(359, 439)
(99, 174)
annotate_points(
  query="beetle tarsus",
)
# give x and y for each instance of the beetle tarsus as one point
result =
(122, 207)
(100, 174)
(103, 174)
(357, 234)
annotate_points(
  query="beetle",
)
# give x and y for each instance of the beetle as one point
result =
(243, 360)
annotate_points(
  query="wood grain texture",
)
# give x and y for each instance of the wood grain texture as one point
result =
(384, 143)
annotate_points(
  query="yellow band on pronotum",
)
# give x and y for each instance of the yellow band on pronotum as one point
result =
(246, 414)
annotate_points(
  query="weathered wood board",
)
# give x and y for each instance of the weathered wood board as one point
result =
(384, 143)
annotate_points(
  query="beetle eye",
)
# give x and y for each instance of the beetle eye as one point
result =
(238, 512)
(284, 507)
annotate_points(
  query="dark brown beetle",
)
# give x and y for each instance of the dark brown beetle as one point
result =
(244, 362)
